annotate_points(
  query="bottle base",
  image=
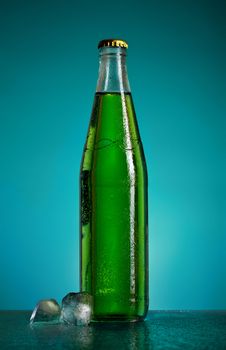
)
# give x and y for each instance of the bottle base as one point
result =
(117, 319)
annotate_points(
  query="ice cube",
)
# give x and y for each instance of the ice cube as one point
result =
(77, 308)
(46, 311)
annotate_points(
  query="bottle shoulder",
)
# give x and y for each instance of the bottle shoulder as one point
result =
(113, 121)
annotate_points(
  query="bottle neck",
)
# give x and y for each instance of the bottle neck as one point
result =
(112, 71)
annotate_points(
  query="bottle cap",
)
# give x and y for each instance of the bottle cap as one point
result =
(113, 43)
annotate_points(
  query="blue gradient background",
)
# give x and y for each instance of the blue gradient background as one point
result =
(177, 71)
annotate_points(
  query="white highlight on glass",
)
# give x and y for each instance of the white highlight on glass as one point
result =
(131, 169)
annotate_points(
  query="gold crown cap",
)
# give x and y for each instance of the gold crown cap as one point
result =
(113, 43)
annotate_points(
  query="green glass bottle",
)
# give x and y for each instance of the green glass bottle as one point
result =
(113, 197)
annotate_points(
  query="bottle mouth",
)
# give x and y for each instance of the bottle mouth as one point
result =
(112, 51)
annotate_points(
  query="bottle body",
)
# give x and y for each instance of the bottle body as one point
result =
(113, 214)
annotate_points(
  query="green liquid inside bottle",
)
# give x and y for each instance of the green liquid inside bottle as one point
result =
(113, 216)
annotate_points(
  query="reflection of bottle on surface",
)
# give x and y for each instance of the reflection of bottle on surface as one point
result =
(113, 197)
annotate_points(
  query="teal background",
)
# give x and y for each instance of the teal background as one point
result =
(177, 71)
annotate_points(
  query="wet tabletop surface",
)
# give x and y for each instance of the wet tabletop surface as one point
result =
(161, 330)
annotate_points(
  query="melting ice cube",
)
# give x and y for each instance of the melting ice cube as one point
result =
(77, 308)
(46, 311)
